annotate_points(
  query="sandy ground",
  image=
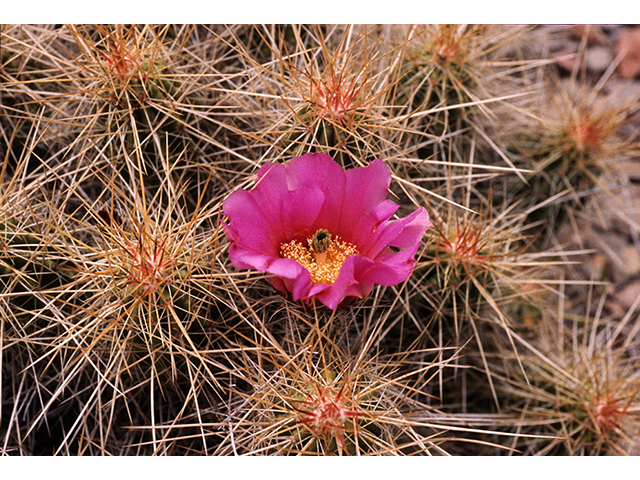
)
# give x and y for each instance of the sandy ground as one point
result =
(609, 57)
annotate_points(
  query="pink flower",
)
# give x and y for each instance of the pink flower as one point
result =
(321, 231)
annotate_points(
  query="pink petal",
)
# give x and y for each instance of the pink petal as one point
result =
(320, 171)
(401, 233)
(344, 286)
(366, 187)
(389, 270)
(295, 277)
(300, 210)
(413, 229)
(250, 224)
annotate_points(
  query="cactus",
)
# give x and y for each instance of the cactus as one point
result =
(133, 321)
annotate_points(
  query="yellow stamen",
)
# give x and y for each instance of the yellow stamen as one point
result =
(324, 266)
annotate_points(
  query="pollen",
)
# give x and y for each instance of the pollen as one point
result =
(324, 266)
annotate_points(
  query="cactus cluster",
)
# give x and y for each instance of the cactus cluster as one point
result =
(134, 320)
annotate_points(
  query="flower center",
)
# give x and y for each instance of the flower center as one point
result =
(323, 255)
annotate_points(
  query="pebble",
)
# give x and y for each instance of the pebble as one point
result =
(604, 43)
(599, 58)
(595, 33)
(622, 258)
(627, 295)
(628, 45)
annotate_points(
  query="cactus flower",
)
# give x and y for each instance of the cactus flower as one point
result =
(323, 232)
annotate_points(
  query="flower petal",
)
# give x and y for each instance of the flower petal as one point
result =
(413, 229)
(401, 233)
(316, 170)
(345, 285)
(300, 210)
(288, 209)
(389, 269)
(366, 187)
(293, 276)
(250, 225)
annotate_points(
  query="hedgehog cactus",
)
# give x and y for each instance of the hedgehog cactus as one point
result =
(330, 418)
(312, 240)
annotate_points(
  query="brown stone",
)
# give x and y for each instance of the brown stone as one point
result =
(629, 45)
(594, 33)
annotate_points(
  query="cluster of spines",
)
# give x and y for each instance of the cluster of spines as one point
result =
(136, 307)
